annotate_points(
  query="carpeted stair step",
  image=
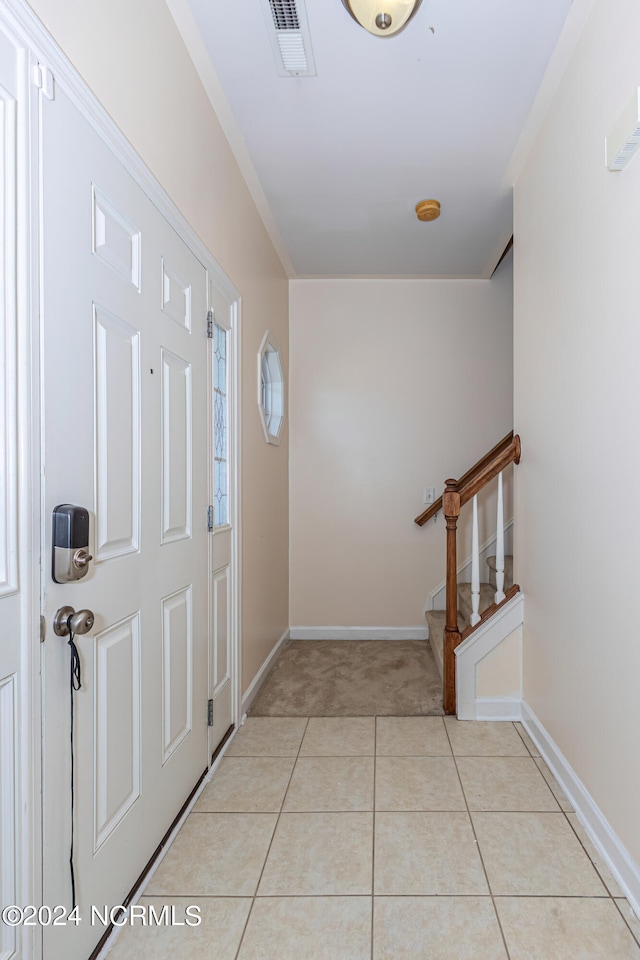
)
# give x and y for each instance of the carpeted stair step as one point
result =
(487, 597)
(508, 572)
(436, 620)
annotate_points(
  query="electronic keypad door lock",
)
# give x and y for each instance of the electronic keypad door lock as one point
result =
(71, 557)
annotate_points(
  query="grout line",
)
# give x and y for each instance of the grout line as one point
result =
(284, 796)
(388, 756)
(465, 809)
(353, 716)
(486, 875)
(589, 857)
(272, 813)
(373, 838)
(620, 911)
(495, 756)
(553, 785)
(526, 745)
(387, 896)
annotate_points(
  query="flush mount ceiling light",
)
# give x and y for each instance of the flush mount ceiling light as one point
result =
(382, 18)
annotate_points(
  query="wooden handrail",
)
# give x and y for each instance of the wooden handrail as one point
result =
(510, 454)
(477, 469)
(456, 494)
(431, 511)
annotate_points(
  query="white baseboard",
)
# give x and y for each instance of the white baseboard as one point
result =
(360, 633)
(498, 708)
(622, 865)
(253, 689)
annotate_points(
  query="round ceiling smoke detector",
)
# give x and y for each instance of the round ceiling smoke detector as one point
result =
(428, 210)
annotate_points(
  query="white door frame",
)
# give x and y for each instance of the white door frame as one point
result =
(236, 560)
(235, 500)
(44, 60)
(28, 467)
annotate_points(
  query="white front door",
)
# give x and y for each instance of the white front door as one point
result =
(224, 601)
(125, 386)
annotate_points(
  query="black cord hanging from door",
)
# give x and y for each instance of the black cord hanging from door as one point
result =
(75, 678)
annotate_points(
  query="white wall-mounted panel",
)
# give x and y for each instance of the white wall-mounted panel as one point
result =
(176, 448)
(222, 628)
(116, 724)
(177, 660)
(8, 767)
(176, 296)
(8, 478)
(117, 433)
(115, 240)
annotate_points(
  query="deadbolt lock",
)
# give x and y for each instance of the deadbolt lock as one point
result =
(81, 558)
(71, 557)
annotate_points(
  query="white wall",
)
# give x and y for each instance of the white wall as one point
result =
(395, 386)
(577, 407)
(132, 57)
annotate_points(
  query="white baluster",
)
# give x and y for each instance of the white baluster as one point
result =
(500, 546)
(475, 568)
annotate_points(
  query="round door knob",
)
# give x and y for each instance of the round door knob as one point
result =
(61, 621)
(67, 619)
(81, 622)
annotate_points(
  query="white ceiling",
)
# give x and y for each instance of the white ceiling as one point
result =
(343, 157)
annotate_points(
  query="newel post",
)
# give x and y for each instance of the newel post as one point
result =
(451, 510)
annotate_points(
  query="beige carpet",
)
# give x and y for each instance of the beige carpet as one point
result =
(352, 678)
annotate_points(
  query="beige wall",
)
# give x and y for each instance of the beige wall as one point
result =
(577, 406)
(395, 385)
(499, 674)
(132, 56)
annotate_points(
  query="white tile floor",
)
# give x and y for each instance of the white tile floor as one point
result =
(384, 839)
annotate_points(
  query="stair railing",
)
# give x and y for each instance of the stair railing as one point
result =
(475, 470)
(456, 494)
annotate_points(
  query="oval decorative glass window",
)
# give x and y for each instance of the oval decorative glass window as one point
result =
(270, 389)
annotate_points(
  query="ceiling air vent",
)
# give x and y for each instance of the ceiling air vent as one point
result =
(288, 31)
(285, 15)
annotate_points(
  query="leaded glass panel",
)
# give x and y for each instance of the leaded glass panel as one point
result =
(220, 427)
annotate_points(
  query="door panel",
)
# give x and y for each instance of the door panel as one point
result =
(177, 670)
(176, 448)
(222, 632)
(125, 435)
(117, 432)
(117, 698)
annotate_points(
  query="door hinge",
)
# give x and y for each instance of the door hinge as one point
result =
(209, 518)
(209, 713)
(43, 80)
(210, 324)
